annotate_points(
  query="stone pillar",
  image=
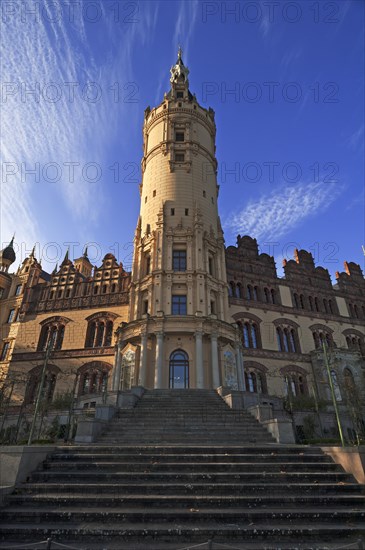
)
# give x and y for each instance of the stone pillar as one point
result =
(199, 360)
(117, 367)
(239, 367)
(215, 363)
(159, 360)
(143, 360)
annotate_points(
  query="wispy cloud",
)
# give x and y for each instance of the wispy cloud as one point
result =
(54, 51)
(185, 23)
(356, 140)
(276, 214)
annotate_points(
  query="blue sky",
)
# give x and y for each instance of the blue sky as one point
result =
(285, 79)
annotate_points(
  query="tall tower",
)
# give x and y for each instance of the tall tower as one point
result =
(179, 334)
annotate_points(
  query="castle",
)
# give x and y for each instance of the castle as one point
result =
(192, 313)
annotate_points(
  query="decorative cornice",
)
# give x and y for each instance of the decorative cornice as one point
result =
(63, 354)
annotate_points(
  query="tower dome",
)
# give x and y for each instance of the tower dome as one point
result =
(7, 256)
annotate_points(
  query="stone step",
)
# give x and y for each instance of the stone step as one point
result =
(242, 516)
(177, 457)
(191, 467)
(187, 477)
(204, 488)
(55, 499)
(101, 532)
(271, 449)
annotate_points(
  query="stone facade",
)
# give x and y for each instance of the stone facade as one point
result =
(191, 313)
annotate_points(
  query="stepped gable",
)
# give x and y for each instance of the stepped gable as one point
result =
(245, 257)
(302, 271)
(139, 488)
(351, 280)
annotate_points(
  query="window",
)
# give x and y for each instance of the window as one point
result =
(186, 211)
(212, 307)
(296, 384)
(321, 336)
(172, 211)
(250, 334)
(179, 95)
(255, 381)
(179, 136)
(1, 292)
(145, 306)
(210, 266)
(32, 389)
(93, 377)
(238, 290)
(148, 265)
(99, 332)
(179, 157)
(154, 193)
(4, 351)
(287, 339)
(18, 290)
(51, 334)
(311, 305)
(204, 194)
(179, 260)
(11, 316)
(68, 293)
(178, 305)
(336, 387)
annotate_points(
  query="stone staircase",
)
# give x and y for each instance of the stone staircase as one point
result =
(183, 417)
(140, 489)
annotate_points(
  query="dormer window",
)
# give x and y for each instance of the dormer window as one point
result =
(179, 95)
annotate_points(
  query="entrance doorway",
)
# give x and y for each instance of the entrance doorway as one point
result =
(179, 369)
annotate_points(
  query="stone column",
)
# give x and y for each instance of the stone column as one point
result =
(143, 360)
(239, 367)
(117, 367)
(215, 363)
(159, 360)
(199, 359)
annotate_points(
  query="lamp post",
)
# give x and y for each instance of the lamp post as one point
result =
(40, 390)
(333, 395)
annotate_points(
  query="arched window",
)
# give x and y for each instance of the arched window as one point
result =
(255, 381)
(301, 299)
(254, 335)
(246, 335)
(295, 381)
(316, 304)
(238, 291)
(296, 300)
(356, 311)
(113, 287)
(355, 341)
(99, 331)
(330, 305)
(93, 377)
(320, 336)
(336, 387)
(179, 369)
(325, 305)
(52, 334)
(349, 381)
(32, 388)
(250, 335)
(267, 295)
(287, 336)
(249, 292)
(231, 289)
(256, 293)
(273, 296)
